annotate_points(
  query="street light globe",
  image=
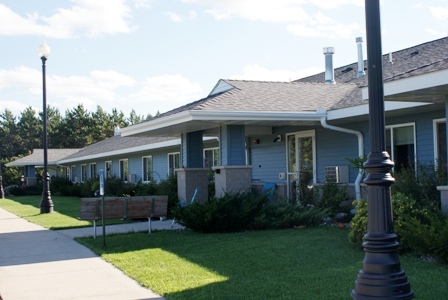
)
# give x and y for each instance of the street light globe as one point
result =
(44, 50)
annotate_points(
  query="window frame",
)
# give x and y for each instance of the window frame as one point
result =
(169, 161)
(123, 176)
(93, 171)
(145, 177)
(106, 173)
(391, 127)
(435, 124)
(213, 155)
(83, 172)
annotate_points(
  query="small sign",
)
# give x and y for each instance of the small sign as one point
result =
(101, 182)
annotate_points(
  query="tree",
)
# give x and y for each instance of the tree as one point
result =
(10, 144)
(76, 128)
(29, 129)
(102, 125)
(118, 119)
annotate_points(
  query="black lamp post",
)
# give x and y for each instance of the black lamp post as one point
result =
(381, 276)
(46, 204)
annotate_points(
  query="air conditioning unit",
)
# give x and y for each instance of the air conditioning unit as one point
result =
(338, 174)
(131, 178)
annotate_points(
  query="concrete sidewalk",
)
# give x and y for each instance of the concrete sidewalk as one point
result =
(37, 263)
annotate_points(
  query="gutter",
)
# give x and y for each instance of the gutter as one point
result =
(323, 122)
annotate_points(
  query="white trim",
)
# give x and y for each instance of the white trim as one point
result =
(105, 168)
(435, 135)
(213, 153)
(363, 109)
(82, 173)
(392, 156)
(413, 83)
(143, 168)
(300, 134)
(217, 115)
(125, 177)
(174, 142)
(174, 167)
(94, 175)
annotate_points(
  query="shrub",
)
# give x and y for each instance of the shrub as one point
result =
(168, 187)
(421, 186)
(230, 213)
(332, 196)
(246, 211)
(420, 230)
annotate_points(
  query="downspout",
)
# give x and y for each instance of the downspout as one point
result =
(323, 122)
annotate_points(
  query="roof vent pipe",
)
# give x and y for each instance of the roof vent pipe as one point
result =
(117, 131)
(329, 71)
(360, 59)
(391, 61)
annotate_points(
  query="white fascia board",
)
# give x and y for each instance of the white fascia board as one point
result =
(158, 123)
(411, 84)
(210, 115)
(363, 109)
(165, 144)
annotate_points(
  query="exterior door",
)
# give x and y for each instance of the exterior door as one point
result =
(301, 162)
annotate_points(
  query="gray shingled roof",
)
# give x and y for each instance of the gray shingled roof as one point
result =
(271, 96)
(37, 157)
(117, 143)
(420, 59)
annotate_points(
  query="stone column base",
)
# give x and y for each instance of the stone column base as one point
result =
(444, 198)
(232, 179)
(190, 179)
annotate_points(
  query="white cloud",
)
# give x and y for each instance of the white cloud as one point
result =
(91, 18)
(440, 13)
(173, 16)
(142, 3)
(257, 72)
(16, 107)
(64, 92)
(164, 92)
(302, 17)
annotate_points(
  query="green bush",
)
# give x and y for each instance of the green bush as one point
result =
(230, 213)
(421, 230)
(282, 215)
(332, 196)
(421, 186)
(246, 211)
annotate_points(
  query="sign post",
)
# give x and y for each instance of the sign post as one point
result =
(102, 206)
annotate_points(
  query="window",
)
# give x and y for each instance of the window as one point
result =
(73, 174)
(83, 173)
(147, 168)
(173, 162)
(211, 157)
(440, 154)
(93, 170)
(301, 162)
(124, 171)
(400, 144)
(108, 168)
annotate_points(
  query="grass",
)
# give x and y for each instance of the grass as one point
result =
(66, 211)
(315, 263)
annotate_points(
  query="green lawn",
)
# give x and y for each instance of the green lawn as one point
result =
(315, 263)
(66, 211)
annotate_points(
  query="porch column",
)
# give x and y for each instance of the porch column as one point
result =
(192, 176)
(233, 175)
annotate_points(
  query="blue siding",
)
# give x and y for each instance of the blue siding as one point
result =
(268, 159)
(194, 150)
(236, 155)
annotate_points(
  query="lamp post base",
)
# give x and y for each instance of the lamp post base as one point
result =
(46, 204)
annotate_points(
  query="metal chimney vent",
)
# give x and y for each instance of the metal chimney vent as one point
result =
(360, 58)
(329, 71)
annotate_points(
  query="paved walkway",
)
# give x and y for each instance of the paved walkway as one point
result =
(37, 263)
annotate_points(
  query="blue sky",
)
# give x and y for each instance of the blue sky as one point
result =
(155, 55)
